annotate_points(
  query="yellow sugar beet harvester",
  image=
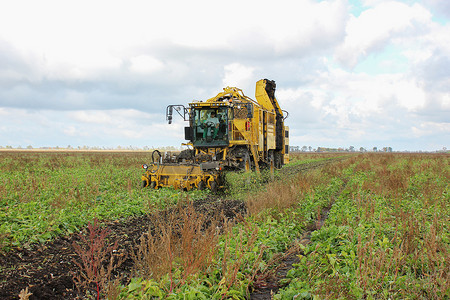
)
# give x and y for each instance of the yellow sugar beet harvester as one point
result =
(227, 132)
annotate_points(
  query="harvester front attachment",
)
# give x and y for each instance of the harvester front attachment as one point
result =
(182, 176)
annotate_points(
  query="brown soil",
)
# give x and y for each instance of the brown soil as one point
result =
(48, 270)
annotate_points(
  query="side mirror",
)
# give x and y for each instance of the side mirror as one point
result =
(169, 114)
(180, 109)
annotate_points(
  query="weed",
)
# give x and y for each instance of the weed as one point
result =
(95, 253)
(183, 240)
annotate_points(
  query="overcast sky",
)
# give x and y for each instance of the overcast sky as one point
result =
(100, 73)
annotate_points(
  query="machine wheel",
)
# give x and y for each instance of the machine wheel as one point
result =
(214, 187)
(144, 183)
(201, 185)
(278, 160)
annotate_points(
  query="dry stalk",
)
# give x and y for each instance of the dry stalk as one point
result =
(184, 239)
(24, 294)
(97, 259)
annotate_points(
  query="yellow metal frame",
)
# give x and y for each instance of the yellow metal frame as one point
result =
(179, 176)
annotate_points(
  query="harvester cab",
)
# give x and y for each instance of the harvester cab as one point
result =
(227, 132)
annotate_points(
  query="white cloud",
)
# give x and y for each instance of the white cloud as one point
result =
(374, 28)
(70, 131)
(145, 64)
(431, 128)
(237, 75)
(290, 97)
(95, 117)
(345, 107)
(83, 72)
(85, 39)
(116, 117)
(97, 128)
(445, 101)
(75, 96)
(441, 7)
(409, 95)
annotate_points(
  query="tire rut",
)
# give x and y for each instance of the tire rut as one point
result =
(268, 285)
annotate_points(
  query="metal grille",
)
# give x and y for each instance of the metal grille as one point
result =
(240, 113)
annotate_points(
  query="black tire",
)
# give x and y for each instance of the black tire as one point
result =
(278, 160)
(144, 183)
(201, 185)
(214, 187)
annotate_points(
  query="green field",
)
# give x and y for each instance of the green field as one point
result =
(47, 194)
(379, 224)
